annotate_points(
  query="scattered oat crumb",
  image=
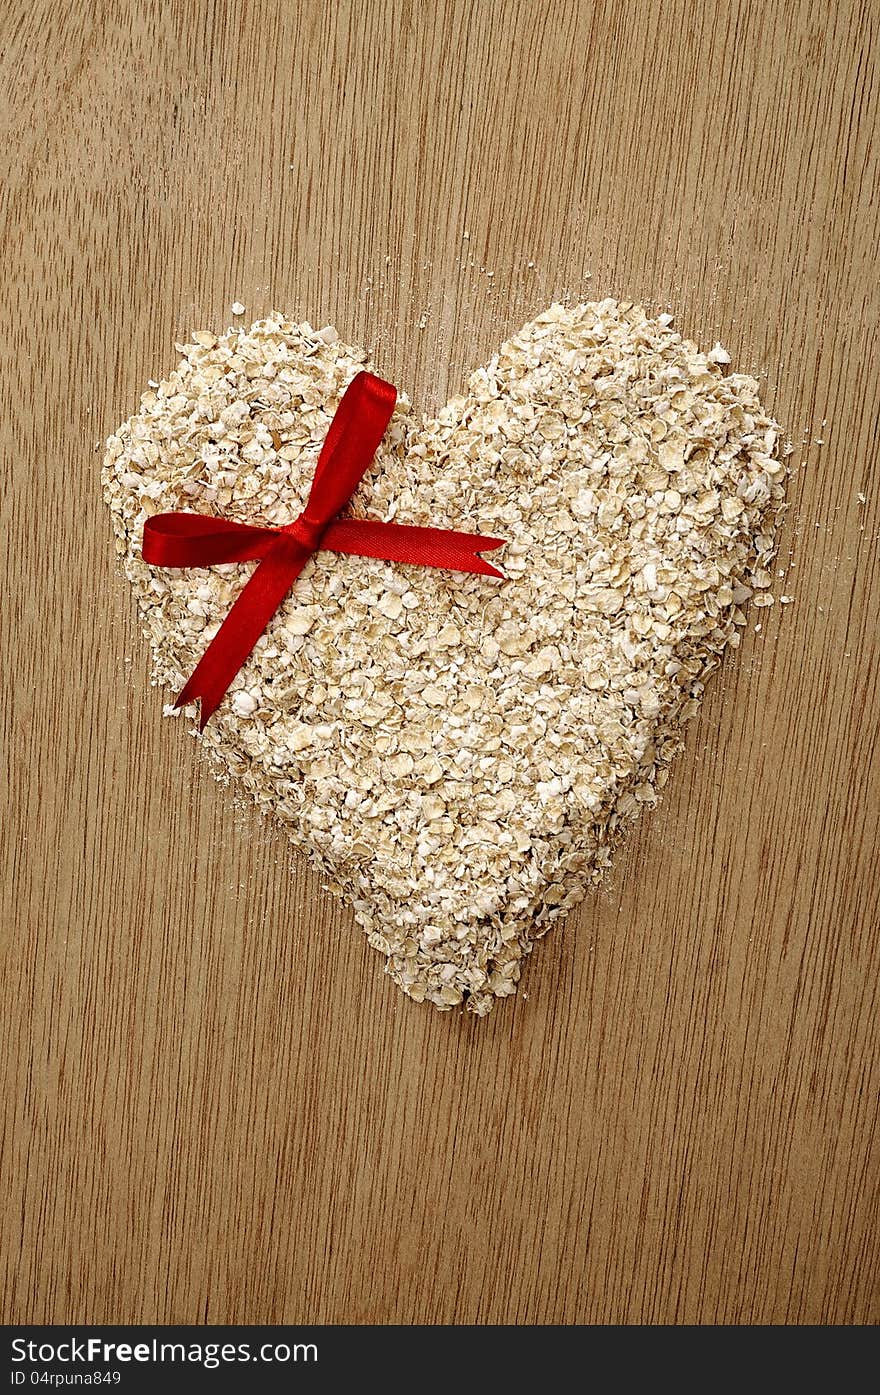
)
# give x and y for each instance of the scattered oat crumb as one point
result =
(718, 355)
(862, 498)
(237, 307)
(786, 600)
(460, 755)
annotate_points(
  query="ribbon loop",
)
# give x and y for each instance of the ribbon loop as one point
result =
(194, 540)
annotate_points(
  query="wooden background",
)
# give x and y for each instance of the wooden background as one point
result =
(216, 1107)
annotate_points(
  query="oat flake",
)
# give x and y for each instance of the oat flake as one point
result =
(460, 755)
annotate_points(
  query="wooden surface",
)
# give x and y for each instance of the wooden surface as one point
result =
(216, 1107)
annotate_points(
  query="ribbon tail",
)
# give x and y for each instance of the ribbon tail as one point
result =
(243, 626)
(403, 542)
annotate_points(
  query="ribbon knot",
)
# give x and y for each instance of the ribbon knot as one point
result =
(307, 531)
(194, 540)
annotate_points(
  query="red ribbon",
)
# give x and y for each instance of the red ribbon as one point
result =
(195, 540)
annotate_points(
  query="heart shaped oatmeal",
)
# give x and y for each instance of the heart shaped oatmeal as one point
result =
(460, 754)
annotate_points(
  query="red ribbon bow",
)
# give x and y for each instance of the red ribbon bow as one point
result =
(195, 540)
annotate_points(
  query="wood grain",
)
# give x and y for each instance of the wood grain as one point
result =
(216, 1107)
